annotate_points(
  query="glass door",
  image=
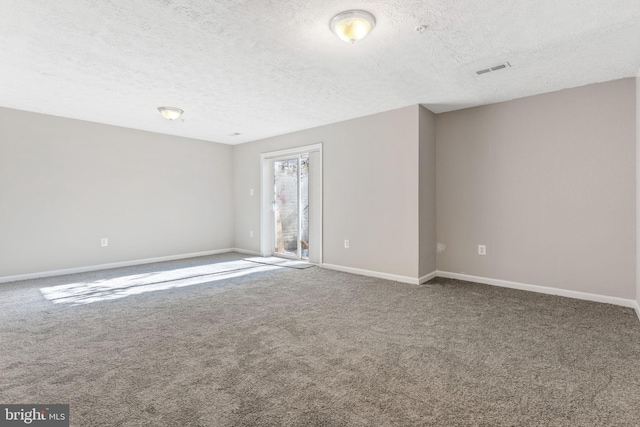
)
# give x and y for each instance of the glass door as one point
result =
(291, 206)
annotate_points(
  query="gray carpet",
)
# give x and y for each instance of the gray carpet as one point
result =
(236, 346)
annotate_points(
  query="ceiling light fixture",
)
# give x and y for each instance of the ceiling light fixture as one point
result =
(170, 113)
(353, 25)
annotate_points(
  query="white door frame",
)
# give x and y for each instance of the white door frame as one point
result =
(315, 200)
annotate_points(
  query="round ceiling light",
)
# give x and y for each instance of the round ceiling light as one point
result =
(353, 25)
(170, 113)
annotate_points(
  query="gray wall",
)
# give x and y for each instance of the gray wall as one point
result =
(638, 190)
(65, 184)
(548, 184)
(370, 190)
(427, 191)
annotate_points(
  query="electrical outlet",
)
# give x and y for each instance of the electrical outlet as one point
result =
(104, 242)
(346, 244)
(251, 192)
(251, 234)
(482, 250)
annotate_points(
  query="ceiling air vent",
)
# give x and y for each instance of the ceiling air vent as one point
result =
(494, 68)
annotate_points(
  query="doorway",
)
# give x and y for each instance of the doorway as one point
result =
(292, 203)
(291, 206)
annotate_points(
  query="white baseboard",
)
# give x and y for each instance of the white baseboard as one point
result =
(427, 277)
(404, 279)
(543, 289)
(109, 266)
(377, 274)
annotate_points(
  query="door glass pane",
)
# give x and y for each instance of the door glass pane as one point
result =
(304, 205)
(286, 206)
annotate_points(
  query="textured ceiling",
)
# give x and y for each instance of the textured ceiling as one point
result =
(265, 67)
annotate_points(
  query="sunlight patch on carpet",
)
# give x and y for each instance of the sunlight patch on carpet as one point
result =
(121, 287)
(282, 262)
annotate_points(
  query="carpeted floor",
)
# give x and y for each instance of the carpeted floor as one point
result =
(227, 344)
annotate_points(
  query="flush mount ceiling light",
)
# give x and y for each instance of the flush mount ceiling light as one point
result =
(352, 25)
(170, 113)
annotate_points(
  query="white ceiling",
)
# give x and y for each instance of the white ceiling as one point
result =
(269, 67)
